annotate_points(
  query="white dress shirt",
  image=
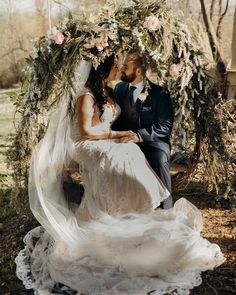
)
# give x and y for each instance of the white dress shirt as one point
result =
(138, 90)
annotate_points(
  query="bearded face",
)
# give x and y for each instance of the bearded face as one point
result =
(128, 70)
(128, 77)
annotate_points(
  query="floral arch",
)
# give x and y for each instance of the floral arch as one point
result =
(172, 55)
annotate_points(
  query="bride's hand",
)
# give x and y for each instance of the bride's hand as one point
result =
(131, 138)
(121, 134)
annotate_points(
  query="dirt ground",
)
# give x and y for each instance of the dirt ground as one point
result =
(219, 227)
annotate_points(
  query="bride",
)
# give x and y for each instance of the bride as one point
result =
(115, 241)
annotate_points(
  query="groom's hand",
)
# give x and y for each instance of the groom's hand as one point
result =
(131, 138)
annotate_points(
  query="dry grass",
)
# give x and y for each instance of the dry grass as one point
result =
(7, 130)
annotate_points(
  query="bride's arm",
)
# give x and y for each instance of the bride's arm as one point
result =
(85, 112)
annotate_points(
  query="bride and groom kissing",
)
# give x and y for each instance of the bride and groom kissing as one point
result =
(115, 242)
(146, 111)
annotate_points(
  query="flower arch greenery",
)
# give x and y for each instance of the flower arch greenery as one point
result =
(172, 55)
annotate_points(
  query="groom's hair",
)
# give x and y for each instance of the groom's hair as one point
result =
(138, 60)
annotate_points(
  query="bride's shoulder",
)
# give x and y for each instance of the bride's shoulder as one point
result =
(86, 104)
(86, 98)
(87, 93)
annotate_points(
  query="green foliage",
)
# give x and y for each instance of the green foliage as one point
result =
(176, 61)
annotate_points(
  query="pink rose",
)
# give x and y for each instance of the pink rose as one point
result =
(111, 36)
(58, 38)
(175, 69)
(101, 43)
(152, 23)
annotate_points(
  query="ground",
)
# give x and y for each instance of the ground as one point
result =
(219, 225)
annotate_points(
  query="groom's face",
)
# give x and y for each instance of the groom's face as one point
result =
(128, 70)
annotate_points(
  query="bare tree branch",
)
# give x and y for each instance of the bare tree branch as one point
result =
(13, 50)
(219, 7)
(213, 2)
(210, 30)
(61, 4)
(218, 30)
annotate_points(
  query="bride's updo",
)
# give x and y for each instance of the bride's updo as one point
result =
(95, 79)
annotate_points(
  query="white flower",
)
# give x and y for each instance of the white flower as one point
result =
(141, 45)
(143, 96)
(35, 52)
(156, 54)
(100, 43)
(136, 32)
(152, 23)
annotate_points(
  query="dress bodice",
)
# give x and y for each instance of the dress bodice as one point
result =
(104, 121)
(110, 114)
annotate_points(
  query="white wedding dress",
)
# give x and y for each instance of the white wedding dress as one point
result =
(115, 242)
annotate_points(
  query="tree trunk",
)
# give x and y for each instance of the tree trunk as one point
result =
(233, 50)
(213, 42)
(12, 36)
(40, 9)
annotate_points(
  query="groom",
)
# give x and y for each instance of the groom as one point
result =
(150, 117)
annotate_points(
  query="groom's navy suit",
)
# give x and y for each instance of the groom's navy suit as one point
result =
(152, 119)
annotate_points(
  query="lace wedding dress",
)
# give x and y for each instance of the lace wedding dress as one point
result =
(115, 242)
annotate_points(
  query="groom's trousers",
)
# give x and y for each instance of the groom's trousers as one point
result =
(159, 161)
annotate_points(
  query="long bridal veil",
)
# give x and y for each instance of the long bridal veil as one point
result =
(133, 252)
(49, 159)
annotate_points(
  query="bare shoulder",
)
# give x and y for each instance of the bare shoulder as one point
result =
(86, 100)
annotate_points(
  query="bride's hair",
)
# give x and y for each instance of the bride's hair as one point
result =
(96, 76)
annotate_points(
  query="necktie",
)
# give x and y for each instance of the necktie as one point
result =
(131, 95)
(131, 110)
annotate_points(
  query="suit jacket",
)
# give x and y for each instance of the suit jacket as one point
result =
(152, 120)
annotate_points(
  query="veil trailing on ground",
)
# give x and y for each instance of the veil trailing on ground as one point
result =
(49, 160)
(115, 243)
